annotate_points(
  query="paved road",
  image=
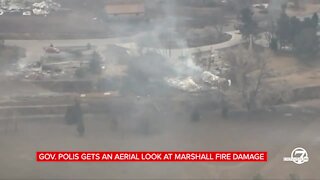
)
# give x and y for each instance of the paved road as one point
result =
(34, 48)
(176, 53)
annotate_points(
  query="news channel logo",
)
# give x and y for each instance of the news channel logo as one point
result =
(298, 156)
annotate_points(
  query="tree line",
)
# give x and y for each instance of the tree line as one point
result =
(298, 35)
(287, 33)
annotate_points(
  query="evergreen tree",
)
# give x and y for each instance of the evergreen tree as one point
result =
(315, 20)
(95, 63)
(248, 25)
(306, 43)
(283, 29)
(274, 44)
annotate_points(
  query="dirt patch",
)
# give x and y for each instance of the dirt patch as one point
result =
(171, 133)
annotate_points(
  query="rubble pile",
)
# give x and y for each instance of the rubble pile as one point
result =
(44, 7)
(56, 65)
(26, 8)
(209, 78)
(208, 81)
(185, 84)
(202, 80)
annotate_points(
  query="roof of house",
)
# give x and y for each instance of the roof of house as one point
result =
(125, 8)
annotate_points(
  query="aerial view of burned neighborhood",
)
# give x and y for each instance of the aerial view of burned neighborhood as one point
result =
(160, 75)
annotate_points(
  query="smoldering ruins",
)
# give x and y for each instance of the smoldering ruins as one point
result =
(154, 75)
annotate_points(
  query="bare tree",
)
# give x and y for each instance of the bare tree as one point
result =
(247, 72)
(270, 29)
(219, 20)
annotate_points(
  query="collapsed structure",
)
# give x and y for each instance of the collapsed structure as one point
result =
(29, 7)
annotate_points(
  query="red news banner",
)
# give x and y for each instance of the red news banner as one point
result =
(151, 156)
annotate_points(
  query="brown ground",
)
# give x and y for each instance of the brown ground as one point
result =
(52, 26)
(272, 132)
(169, 130)
(79, 22)
(294, 72)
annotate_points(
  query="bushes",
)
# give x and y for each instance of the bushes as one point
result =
(300, 35)
(95, 64)
(80, 73)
